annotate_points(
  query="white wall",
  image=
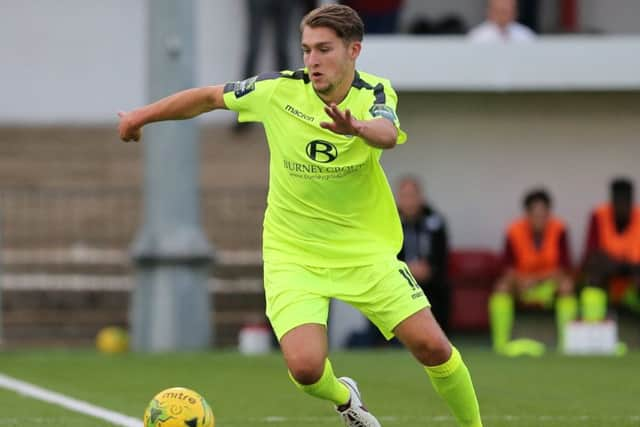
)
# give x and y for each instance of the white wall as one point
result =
(82, 60)
(478, 153)
(559, 63)
(610, 16)
(70, 60)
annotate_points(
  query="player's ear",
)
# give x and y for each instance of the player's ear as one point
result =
(354, 49)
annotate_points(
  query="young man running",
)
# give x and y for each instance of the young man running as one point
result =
(331, 228)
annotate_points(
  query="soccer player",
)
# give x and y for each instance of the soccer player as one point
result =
(612, 253)
(538, 268)
(331, 227)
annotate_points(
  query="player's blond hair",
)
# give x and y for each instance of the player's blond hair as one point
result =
(340, 18)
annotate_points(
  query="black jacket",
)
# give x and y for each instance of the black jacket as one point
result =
(432, 242)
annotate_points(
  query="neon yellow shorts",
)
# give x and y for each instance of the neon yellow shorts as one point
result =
(297, 294)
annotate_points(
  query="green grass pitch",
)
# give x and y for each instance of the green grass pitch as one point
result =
(255, 391)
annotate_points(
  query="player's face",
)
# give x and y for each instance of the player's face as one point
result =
(538, 214)
(329, 60)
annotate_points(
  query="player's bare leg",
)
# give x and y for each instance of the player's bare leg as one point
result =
(305, 351)
(422, 335)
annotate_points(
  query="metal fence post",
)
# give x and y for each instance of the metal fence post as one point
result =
(170, 307)
(1, 290)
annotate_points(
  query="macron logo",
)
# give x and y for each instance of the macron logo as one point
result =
(298, 113)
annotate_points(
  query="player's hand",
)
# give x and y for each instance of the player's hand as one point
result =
(343, 122)
(127, 129)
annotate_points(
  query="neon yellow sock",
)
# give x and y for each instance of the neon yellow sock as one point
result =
(593, 302)
(566, 311)
(501, 319)
(631, 300)
(452, 382)
(327, 387)
(523, 347)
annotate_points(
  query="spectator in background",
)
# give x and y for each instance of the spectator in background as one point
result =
(260, 13)
(501, 25)
(425, 248)
(308, 6)
(528, 14)
(612, 253)
(537, 266)
(379, 16)
(449, 24)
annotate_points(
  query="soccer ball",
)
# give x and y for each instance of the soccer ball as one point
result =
(178, 407)
(112, 340)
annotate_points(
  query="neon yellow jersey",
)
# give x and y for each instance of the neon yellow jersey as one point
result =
(329, 202)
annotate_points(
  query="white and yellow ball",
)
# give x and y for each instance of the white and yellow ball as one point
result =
(178, 407)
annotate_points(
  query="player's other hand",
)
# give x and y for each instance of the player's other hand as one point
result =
(127, 129)
(343, 122)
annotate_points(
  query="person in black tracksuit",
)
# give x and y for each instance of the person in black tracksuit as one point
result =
(425, 248)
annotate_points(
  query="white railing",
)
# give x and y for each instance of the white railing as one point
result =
(552, 63)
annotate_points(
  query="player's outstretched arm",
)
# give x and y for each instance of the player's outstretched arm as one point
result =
(179, 106)
(378, 132)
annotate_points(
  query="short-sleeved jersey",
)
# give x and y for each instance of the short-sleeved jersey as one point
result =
(329, 202)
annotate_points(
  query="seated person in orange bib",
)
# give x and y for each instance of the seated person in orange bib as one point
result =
(612, 254)
(537, 267)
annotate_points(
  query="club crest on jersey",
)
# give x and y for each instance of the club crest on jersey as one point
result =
(243, 87)
(321, 151)
(382, 110)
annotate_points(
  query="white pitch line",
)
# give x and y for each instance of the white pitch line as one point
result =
(72, 404)
(122, 420)
(276, 419)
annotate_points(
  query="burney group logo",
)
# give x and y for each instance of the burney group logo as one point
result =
(322, 151)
